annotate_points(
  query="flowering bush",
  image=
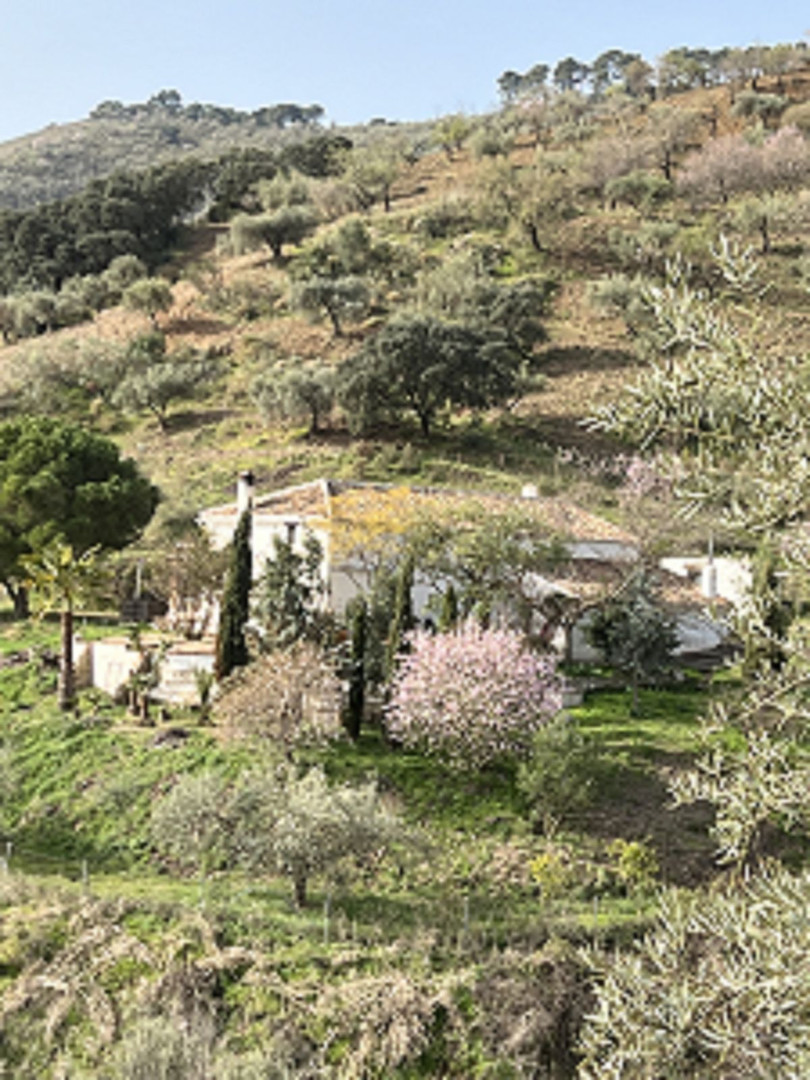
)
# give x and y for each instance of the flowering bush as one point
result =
(472, 696)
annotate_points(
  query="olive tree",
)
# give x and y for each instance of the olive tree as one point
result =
(149, 295)
(301, 826)
(718, 988)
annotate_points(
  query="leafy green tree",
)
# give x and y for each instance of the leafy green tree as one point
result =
(769, 214)
(190, 825)
(59, 580)
(231, 646)
(402, 617)
(341, 298)
(123, 271)
(448, 616)
(422, 364)
(451, 132)
(671, 132)
(372, 171)
(154, 379)
(296, 389)
(490, 140)
(357, 614)
(608, 69)
(286, 225)
(284, 189)
(58, 481)
(464, 290)
(491, 561)
(569, 74)
(633, 631)
(289, 591)
(557, 780)
(148, 295)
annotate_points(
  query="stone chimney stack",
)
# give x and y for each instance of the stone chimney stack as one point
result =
(244, 491)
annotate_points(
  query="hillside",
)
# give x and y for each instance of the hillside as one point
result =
(599, 296)
(62, 159)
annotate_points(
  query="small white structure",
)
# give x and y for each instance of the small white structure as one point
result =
(110, 663)
(718, 577)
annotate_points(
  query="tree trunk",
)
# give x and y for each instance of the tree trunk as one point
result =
(766, 236)
(67, 679)
(337, 329)
(534, 236)
(634, 708)
(19, 598)
(300, 889)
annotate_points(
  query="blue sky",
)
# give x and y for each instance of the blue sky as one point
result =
(357, 58)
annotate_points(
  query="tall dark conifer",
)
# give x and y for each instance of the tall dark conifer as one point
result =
(231, 646)
(402, 619)
(358, 623)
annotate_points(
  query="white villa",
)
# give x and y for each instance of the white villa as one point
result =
(599, 552)
(699, 590)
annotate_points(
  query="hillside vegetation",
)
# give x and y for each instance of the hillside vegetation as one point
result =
(601, 289)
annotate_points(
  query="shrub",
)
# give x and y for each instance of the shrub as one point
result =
(158, 1048)
(799, 116)
(291, 698)
(558, 777)
(473, 696)
(190, 825)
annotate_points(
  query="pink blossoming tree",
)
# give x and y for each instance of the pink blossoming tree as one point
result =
(472, 696)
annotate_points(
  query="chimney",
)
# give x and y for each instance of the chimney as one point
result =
(708, 577)
(244, 491)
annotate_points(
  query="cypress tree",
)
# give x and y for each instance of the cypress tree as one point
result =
(449, 613)
(358, 621)
(402, 620)
(231, 645)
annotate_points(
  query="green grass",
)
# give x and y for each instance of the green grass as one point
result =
(667, 720)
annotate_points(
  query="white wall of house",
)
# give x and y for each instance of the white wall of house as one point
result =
(732, 577)
(697, 632)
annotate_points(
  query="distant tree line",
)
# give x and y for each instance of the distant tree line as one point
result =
(170, 103)
(679, 69)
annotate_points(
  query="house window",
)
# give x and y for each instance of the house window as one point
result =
(291, 529)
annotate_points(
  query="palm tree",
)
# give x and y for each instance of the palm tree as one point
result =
(59, 580)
